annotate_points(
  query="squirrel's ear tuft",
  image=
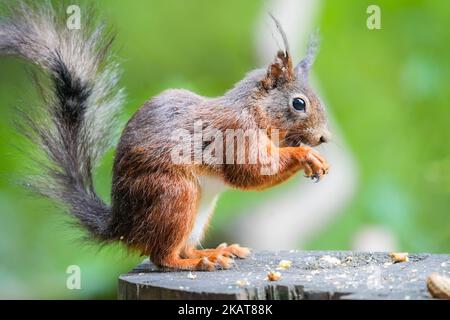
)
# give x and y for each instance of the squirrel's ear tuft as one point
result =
(304, 66)
(279, 72)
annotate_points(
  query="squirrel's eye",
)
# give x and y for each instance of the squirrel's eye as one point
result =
(299, 104)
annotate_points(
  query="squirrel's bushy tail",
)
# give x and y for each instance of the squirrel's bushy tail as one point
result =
(79, 104)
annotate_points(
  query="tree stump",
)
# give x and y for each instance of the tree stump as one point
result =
(312, 275)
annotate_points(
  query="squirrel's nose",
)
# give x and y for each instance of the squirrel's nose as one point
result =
(324, 137)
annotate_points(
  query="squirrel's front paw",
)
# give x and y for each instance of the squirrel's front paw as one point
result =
(314, 165)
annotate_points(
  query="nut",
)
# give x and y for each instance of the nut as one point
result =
(439, 286)
(399, 257)
(273, 276)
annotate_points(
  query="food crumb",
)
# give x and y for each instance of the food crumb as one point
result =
(399, 257)
(284, 264)
(242, 282)
(191, 276)
(331, 260)
(273, 276)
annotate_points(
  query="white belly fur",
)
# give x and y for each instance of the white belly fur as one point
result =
(211, 189)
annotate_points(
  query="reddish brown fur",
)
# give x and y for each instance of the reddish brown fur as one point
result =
(155, 201)
(158, 232)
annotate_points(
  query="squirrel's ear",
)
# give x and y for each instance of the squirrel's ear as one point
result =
(304, 66)
(279, 72)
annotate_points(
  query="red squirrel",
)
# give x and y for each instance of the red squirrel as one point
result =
(159, 206)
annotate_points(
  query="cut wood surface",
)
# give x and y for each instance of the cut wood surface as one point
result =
(303, 275)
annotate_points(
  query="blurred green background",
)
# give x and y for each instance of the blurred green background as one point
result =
(387, 89)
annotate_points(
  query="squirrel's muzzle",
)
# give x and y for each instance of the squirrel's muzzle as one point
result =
(323, 136)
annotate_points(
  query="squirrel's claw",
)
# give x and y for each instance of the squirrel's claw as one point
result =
(315, 177)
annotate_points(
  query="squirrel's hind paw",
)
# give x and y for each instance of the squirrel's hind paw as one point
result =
(205, 265)
(237, 250)
(213, 263)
